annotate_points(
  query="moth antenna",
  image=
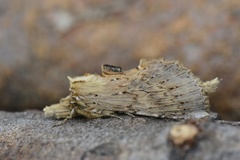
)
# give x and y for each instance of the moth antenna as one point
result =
(61, 122)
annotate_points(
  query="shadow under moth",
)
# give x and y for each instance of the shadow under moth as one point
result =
(156, 88)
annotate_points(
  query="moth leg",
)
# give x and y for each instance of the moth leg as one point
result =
(115, 116)
(88, 113)
(130, 114)
(70, 116)
(110, 114)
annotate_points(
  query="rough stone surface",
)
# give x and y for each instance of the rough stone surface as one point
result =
(28, 135)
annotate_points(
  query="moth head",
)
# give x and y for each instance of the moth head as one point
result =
(59, 110)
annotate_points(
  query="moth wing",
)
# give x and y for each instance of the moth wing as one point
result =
(157, 88)
(161, 89)
(157, 103)
(172, 89)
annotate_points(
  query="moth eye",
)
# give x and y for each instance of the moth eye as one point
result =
(94, 102)
(96, 95)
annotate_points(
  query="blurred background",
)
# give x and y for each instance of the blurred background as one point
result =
(44, 41)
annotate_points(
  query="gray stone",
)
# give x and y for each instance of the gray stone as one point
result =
(29, 135)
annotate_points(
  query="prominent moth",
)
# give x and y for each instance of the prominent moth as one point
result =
(157, 88)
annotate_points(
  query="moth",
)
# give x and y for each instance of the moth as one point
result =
(156, 87)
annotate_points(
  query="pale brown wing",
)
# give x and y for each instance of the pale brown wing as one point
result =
(183, 92)
(156, 88)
